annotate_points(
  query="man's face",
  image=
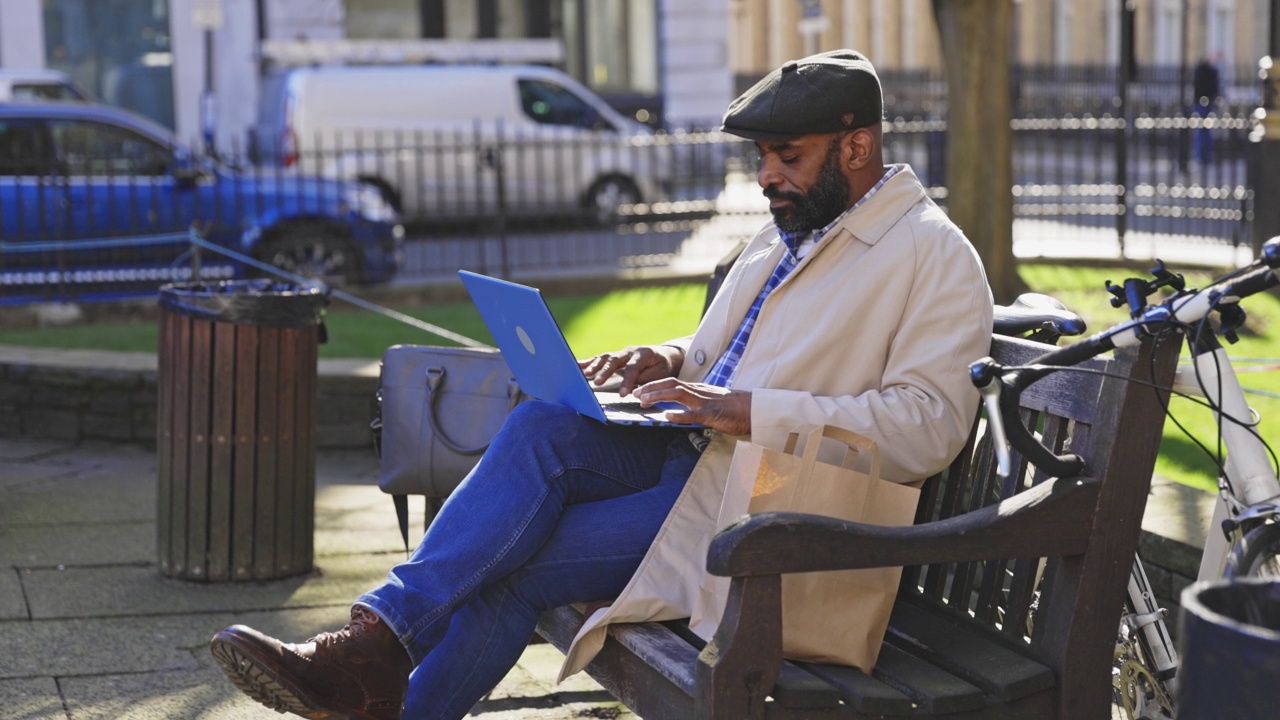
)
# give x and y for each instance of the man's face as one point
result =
(803, 181)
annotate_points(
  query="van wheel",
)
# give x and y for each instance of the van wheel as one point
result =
(607, 195)
(314, 252)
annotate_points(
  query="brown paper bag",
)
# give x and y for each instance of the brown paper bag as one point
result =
(836, 617)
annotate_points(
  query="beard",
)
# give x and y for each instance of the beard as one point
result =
(824, 202)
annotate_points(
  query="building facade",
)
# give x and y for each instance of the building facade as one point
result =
(197, 65)
(902, 34)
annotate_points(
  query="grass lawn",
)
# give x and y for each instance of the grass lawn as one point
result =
(599, 323)
(592, 324)
(1180, 458)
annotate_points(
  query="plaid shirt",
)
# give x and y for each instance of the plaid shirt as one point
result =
(723, 371)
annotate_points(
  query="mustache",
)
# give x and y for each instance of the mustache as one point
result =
(773, 193)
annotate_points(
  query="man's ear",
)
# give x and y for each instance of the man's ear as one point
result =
(861, 147)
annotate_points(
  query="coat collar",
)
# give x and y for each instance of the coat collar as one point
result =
(869, 222)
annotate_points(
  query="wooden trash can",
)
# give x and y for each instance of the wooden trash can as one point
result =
(236, 429)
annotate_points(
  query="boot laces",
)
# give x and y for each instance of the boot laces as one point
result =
(361, 620)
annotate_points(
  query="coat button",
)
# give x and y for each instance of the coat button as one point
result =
(699, 357)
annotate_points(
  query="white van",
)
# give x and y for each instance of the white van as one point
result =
(437, 138)
(38, 85)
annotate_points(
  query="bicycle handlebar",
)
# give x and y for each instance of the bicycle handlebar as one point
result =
(1001, 387)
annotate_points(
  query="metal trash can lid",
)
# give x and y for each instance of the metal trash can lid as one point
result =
(261, 302)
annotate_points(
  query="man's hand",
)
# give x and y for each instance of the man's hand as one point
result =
(637, 365)
(722, 409)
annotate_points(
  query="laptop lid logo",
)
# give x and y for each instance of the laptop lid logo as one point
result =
(526, 341)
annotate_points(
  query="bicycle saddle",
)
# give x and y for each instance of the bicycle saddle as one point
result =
(1036, 311)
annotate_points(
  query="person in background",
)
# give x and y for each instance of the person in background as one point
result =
(1206, 89)
(860, 306)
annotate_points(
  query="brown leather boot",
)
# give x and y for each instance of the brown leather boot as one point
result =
(360, 671)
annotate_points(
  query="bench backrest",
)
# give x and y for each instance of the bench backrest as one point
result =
(1083, 413)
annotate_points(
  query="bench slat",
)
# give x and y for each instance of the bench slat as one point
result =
(861, 691)
(794, 688)
(644, 665)
(935, 690)
(1000, 671)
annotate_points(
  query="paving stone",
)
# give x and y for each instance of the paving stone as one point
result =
(96, 646)
(12, 604)
(31, 699)
(26, 449)
(14, 475)
(121, 590)
(81, 647)
(92, 544)
(202, 691)
(88, 493)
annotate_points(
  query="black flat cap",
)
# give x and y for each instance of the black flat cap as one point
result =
(824, 93)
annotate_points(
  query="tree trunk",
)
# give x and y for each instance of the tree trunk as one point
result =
(976, 48)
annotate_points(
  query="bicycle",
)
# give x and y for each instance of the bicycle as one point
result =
(1248, 504)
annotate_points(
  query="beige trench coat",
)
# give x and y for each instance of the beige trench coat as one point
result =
(873, 331)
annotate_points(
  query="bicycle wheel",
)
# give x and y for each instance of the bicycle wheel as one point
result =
(1256, 555)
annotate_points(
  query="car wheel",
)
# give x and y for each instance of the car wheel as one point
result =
(388, 193)
(607, 195)
(316, 253)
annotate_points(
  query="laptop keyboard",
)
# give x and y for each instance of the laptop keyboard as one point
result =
(630, 406)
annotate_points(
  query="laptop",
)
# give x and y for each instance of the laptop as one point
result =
(538, 355)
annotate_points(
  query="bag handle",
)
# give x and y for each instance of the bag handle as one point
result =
(435, 381)
(813, 435)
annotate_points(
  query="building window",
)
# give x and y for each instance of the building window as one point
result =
(383, 19)
(117, 49)
(612, 44)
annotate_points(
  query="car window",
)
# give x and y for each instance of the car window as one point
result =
(45, 91)
(94, 148)
(551, 104)
(24, 147)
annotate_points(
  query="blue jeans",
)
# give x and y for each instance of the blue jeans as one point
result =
(1202, 139)
(560, 509)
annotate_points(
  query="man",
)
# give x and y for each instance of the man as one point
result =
(860, 306)
(1207, 90)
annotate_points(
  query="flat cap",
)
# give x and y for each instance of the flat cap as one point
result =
(824, 93)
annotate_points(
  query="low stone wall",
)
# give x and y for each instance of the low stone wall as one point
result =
(1174, 528)
(93, 395)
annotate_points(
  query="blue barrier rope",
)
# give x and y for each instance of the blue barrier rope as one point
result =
(463, 340)
(94, 244)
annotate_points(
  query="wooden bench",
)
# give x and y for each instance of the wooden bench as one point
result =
(1009, 604)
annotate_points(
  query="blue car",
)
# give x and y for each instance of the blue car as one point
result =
(97, 203)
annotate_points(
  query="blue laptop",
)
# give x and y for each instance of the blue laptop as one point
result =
(539, 356)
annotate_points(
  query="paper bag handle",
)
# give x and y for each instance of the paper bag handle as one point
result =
(813, 435)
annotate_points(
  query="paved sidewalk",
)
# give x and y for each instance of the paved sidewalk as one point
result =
(89, 628)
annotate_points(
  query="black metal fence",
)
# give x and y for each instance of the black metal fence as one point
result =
(519, 200)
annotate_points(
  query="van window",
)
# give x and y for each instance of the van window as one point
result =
(24, 148)
(23, 92)
(550, 104)
(93, 148)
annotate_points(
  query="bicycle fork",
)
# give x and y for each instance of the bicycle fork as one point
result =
(1148, 618)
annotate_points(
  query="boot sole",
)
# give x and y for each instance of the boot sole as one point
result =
(260, 682)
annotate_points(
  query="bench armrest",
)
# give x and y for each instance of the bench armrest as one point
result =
(1051, 519)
